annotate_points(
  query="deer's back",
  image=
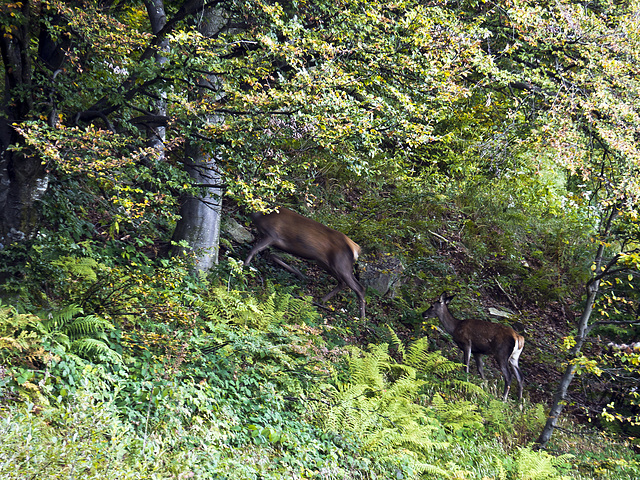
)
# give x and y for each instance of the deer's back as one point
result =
(485, 337)
(306, 238)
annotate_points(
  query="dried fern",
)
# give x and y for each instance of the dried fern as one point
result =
(18, 332)
(21, 336)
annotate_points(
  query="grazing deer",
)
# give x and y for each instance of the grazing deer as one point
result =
(306, 238)
(479, 337)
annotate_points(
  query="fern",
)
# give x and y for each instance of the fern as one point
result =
(63, 330)
(18, 331)
(239, 308)
(92, 347)
(366, 368)
(87, 325)
(225, 306)
(380, 409)
(82, 267)
(80, 335)
(433, 366)
(418, 356)
(457, 415)
(539, 465)
(59, 319)
(502, 473)
(21, 336)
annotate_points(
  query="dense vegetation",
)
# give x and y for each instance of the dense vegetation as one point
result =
(487, 149)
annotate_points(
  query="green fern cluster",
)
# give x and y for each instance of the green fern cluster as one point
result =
(539, 465)
(27, 340)
(437, 371)
(379, 406)
(81, 335)
(457, 415)
(239, 308)
(406, 407)
(514, 426)
(78, 267)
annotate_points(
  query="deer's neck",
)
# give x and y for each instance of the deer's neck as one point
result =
(449, 323)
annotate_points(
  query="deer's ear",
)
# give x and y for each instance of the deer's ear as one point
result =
(444, 299)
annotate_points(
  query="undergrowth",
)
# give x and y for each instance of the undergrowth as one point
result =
(248, 385)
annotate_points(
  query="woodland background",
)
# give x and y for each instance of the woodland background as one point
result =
(487, 149)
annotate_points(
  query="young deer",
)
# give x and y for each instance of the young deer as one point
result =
(479, 337)
(306, 238)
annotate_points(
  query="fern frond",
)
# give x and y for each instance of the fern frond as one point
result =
(87, 325)
(23, 341)
(418, 355)
(396, 342)
(405, 388)
(241, 308)
(381, 410)
(457, 415)
(465, 387)
(11, 321)
(502, 472)
(81, 267)
(10, 343)
(368, 368)
(538, 465)
(88, 347)
(58, 319)
(21, 333)
(432, 366)
(431, 471)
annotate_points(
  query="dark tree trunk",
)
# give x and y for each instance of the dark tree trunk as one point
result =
(23, 179)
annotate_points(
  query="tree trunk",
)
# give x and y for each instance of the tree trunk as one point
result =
(583, 330)
(199, 225)
(158, 19)
(561, 392)
(23, 179)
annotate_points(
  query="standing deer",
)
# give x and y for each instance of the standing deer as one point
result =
(306, 238)
(481, 337)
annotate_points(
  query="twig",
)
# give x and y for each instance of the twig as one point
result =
(437, 235)
(506, 294)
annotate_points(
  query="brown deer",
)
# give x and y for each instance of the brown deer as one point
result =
(479, 337)
(306, 238)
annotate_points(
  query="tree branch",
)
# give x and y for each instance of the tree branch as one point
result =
(129, 89)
